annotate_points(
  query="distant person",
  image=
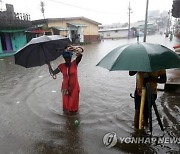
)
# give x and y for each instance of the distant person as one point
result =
(142, 78)
(70, 86)
(166, 34)
(171, 37)
(137, 35)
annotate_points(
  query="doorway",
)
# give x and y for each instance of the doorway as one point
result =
(6, 42)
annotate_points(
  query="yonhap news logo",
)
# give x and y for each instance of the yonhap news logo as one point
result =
(110, 140)
(149, 140)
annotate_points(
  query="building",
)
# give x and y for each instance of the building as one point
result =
(151, 28)
(78, 29)
(12, 30)
(177, 28)
(113, 33)
(16, 29)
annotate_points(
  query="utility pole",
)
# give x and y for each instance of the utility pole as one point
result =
(146, 21)
(45, 27)
(42, 8)
(129, 24)
(1, 5)
(168, 22)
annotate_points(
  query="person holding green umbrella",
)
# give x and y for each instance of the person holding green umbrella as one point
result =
(143, 57)
(141, 79)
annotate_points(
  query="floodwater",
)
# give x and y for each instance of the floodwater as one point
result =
(32, 120)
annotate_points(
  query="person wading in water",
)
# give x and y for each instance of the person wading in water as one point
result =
(70, 86)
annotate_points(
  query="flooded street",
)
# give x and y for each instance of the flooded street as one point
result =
(32, 120)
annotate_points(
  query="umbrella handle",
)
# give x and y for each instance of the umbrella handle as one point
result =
(54, 76)
(131, 95)
(50, 71)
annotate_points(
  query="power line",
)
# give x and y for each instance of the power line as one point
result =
(87, 9)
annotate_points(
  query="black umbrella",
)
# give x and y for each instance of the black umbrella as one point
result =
(41, 50)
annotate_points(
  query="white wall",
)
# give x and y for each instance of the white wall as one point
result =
(114, 34)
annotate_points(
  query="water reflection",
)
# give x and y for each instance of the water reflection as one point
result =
(63, 140)
(171, 112)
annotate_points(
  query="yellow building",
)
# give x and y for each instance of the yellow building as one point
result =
(78, 29)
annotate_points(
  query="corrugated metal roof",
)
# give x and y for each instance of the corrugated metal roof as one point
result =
(12, 30)
(66, 19)
(36, 31)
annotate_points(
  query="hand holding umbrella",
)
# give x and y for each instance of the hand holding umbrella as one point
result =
(51, 70)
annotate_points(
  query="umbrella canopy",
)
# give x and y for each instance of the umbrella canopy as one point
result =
(40, 50)
(143, 57)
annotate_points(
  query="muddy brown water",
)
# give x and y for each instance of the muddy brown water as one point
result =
(32, 120)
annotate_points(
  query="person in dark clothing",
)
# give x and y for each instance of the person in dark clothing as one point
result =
(141, 78)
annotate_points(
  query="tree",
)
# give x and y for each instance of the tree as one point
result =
(176, 9)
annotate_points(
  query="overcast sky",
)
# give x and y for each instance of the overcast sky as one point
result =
(103, 11)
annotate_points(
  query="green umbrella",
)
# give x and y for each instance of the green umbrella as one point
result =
(143, 57)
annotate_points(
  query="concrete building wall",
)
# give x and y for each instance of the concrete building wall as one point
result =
(18, 40)
(62, 24)
(88, 29)
(12, 30)
(57, 24)
(114, 34)
(12, 20)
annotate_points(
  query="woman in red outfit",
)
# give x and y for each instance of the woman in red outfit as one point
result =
(70, 85)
